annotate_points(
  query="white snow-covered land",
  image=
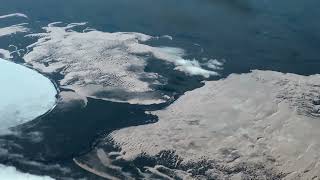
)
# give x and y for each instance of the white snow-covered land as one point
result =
(261, 125)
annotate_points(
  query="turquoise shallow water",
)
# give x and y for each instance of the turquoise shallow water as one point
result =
(249, 34)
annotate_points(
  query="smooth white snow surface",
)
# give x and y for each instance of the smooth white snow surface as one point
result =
(25, 94)
(106, 65)
(262, 116)
(11, 173)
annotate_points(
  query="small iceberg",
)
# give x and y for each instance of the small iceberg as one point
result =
(24, 95)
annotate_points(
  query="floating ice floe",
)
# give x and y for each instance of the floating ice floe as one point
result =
(10, 173)
(5, 54)
(106, 65)
(18, 28)
(262, 124)
(25, 94)
(5, 31)
(13, 15)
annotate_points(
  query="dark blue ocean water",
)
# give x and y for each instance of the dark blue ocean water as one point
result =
(249, 34)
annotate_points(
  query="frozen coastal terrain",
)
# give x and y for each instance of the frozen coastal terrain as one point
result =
(260, 125)
(109, 66)
(118, 89)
